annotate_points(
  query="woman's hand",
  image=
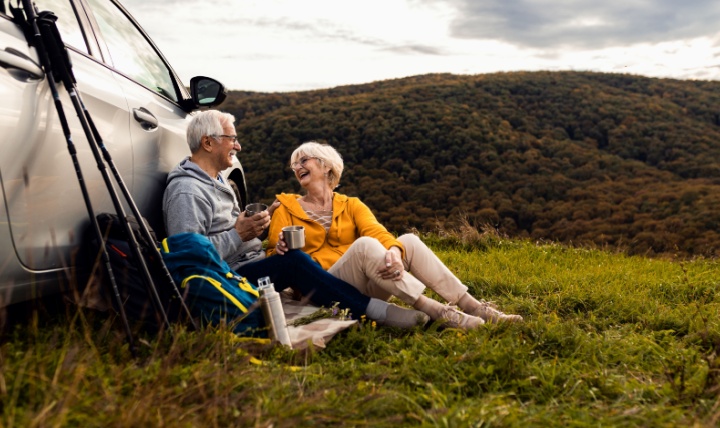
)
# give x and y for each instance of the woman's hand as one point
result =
(281, 247)
(394, 268)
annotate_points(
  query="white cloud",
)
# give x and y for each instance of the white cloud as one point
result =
(286, 45)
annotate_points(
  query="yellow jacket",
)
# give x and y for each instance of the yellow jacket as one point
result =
(351, 219)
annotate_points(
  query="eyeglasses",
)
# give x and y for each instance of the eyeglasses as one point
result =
(234, 138)
(301, 163)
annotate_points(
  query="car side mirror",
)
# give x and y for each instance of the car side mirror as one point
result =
(206, 92)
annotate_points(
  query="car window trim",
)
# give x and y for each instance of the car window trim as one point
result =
(98, 51)
(180, 89)
(88, 31)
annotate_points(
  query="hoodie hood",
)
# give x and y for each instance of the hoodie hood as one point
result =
(188, 168)
(195, 202)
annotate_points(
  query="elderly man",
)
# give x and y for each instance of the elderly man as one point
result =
(198, 200)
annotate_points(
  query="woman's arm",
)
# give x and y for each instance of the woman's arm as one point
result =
(368, 225)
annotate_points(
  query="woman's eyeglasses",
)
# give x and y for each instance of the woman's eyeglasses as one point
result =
(301, 163)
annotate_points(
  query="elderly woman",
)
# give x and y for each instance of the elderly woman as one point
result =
(343, 236)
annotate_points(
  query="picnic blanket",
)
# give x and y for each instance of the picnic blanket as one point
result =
(316, 333)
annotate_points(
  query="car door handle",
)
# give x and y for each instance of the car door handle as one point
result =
(146, 119)
(14, 59)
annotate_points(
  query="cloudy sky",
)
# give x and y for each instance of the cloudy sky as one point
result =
(294, 45)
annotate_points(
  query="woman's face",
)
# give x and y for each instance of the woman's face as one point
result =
(308, 170)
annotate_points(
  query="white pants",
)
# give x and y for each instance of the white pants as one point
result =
(360, 264)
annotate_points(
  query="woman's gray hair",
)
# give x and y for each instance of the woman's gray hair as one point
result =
(327, 155)
(208, 122)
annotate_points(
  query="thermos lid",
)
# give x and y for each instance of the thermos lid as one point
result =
(264, 283)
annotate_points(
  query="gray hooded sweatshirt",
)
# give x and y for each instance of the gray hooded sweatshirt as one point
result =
(195, 202)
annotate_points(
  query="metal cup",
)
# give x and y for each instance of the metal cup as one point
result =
(294, 237)
(255, 208)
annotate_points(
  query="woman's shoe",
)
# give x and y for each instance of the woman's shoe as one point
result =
(489, 312)
(455, 319)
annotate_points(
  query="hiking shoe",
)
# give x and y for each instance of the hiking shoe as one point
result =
(488, 311)
(404, 317)
(455, 319)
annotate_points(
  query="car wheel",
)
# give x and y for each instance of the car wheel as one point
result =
(240, 192)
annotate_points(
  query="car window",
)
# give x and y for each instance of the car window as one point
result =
(131, 53)
(67, 22)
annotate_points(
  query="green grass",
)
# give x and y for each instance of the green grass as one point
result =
(609, 340)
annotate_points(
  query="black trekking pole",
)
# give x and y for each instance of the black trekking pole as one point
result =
(136, 212)
(49, 30)
(31, 19)
(60, 64)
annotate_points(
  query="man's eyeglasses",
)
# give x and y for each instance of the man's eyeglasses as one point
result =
(301, 163)
(234, 138)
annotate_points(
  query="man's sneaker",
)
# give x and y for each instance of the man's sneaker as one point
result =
(404, 317)
(489, 312)
(455, 319)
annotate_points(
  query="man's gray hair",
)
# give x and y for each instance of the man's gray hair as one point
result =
(208, 122)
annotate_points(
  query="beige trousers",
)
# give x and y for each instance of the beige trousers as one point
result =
(360, 264)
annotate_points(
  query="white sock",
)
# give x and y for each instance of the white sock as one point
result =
(377, 309)
(398, 316)
(394, 316)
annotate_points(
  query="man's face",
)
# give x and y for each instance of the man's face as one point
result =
(225, 148)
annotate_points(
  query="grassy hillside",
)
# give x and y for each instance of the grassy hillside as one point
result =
(609, 340)
(596, 159)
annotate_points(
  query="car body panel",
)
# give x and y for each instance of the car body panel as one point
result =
(39, 176)
(155, 151)
(43, 215)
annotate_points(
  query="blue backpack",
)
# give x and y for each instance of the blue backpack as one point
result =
(212, 291)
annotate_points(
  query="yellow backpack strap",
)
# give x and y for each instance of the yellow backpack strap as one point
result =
(243, 283)
(219, 287)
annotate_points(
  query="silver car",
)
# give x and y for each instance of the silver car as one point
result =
(140, 108)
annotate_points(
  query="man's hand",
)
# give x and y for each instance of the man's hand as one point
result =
(271, 208)
(251, 227)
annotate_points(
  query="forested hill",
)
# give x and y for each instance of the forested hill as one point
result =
(583, 158)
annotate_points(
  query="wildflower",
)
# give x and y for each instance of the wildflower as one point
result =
(294, 368)
(323, 312)
(344, 314)
(363, 318)
(374, 324)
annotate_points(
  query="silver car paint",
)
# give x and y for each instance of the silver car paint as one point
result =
(42, 213)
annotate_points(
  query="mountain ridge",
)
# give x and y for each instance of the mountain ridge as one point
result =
(577, 157)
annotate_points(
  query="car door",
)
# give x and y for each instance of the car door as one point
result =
(157, 123)
(43, 203)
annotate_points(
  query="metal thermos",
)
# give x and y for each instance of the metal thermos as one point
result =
(273, 311)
